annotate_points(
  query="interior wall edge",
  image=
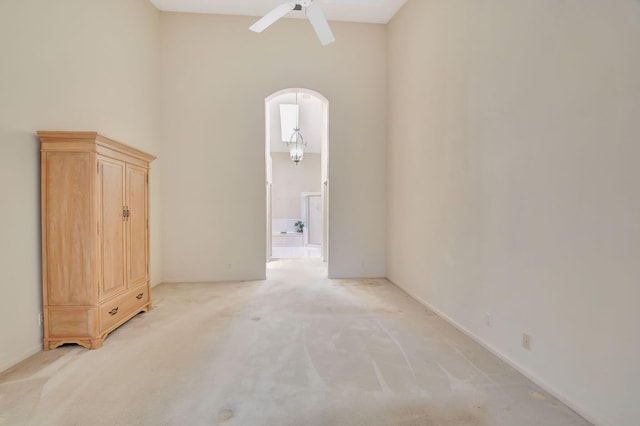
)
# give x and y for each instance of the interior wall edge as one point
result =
(18, 359)
(569, 402)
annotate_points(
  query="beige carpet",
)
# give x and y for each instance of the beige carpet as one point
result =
(296, 349)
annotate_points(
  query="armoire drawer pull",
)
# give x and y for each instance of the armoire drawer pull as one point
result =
(139, 296)
(114, 311)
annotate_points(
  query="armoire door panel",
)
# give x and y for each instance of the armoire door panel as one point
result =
(69, 230)
(137, 225)
(112, 198)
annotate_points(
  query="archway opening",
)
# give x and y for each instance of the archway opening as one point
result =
(297, 192)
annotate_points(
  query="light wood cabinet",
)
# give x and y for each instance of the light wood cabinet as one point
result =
(95, 236)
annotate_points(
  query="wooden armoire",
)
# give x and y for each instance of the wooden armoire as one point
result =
(95, 236)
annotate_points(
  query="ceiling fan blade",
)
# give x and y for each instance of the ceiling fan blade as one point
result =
(271, 17)
(320, 24)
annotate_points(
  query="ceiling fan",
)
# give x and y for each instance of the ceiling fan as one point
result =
(314, 14)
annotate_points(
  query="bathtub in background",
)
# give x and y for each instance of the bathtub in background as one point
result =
(287, 239)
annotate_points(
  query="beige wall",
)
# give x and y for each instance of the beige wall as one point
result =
(290, 181)
(514, 139)
(216, 76)
(66, 65)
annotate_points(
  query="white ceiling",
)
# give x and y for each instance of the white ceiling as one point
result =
(371, 11)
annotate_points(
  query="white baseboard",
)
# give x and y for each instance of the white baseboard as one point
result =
(591, 417)
(230, 281)
(5, 365)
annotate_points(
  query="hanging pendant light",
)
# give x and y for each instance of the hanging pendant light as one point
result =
(296, 142)
(296, 146)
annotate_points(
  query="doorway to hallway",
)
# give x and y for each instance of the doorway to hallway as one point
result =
(296, 155)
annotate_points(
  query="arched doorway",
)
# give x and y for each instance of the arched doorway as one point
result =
(312, 118)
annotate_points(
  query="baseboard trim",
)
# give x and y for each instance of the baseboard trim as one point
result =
(230, 281)
(17, 360)
(590, 417)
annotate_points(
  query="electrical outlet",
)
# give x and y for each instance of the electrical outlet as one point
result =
(526, 341)
(40, 318)
(488, 319)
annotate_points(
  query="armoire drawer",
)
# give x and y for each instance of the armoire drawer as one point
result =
(123, 307)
